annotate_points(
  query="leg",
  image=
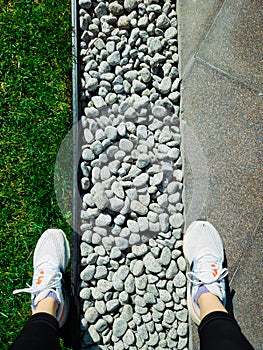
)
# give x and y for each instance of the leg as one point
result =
(39, 333)
(49, 301)
(206, 297)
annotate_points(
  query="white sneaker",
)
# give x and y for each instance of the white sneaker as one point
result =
(51, 258)
(203, 248)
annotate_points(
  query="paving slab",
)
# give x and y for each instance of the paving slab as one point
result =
(221, 125)
(234, 43)
(196, 18)
(228, 131)
(246, 282)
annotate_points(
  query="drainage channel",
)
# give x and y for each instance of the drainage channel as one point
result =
(128, 274)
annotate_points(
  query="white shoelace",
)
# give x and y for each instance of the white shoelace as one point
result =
(204, 271)
(50, 281)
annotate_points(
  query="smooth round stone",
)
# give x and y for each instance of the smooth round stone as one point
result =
(172, 333)
(171, 271)
(101, 272)
(104, 285)
(96, 147)
(176, 220)
(85, 294)
(118, 189)
(103, 220)
(163, 200)
(91, 315)
(116, 204)
(182, 329)
(169, 316)
(123, 297)
(172, 187)
(141, 180)
(117, 283)
(121, 243)
(87, 154)
(111, 132)
(143, 161)
(114, 58)
(152, 216)
(120, 219)
(127, 312)
(138, 268)
(138, 85)
(156, 179)
(141, 282)
(153, 339)
(92, 84)
(123, 272)
(99, 102)
(91, 336)
(151, 263)
(129, 338)
(88, 273)
(115, 253)
(170, 33)
(164, 222)
(159, 112)
(165, 136)
(133, 226)
(165, 257)
(139, 250)
(138, 207)
(134, 238)
(145, 75)
(126, 145)
(100, 325)
(181, 263)
(149, 298)
(121, 128)
(165, 296)
(124, 22)
(129, 284)
(96, 294)
(100, 250)
(143, 224)
(112, 305)
(160, 305)
(100, 306)
(119, 327)
(182, 315)
(105, 173)
(179, 280)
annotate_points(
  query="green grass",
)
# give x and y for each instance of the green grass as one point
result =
(35, 115)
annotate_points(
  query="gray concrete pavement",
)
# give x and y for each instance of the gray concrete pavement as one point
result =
(220, 50)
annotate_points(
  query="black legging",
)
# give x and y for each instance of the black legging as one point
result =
(39, 333)
(217, 331)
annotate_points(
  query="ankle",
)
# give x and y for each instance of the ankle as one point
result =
(208, 303)
(47, 305)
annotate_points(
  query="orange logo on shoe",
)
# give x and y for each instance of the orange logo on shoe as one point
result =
(214, 272)
(40, 277)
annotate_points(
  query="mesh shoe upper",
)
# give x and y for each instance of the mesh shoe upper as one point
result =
(51, 257)
(204, 251)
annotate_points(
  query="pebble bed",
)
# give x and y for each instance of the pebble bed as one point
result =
(133, 287)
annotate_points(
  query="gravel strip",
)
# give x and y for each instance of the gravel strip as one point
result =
(133, 273)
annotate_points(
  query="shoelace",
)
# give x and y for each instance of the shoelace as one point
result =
(203, 271)
(50, 281)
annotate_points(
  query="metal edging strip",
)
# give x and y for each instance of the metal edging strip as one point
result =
(75, 261)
